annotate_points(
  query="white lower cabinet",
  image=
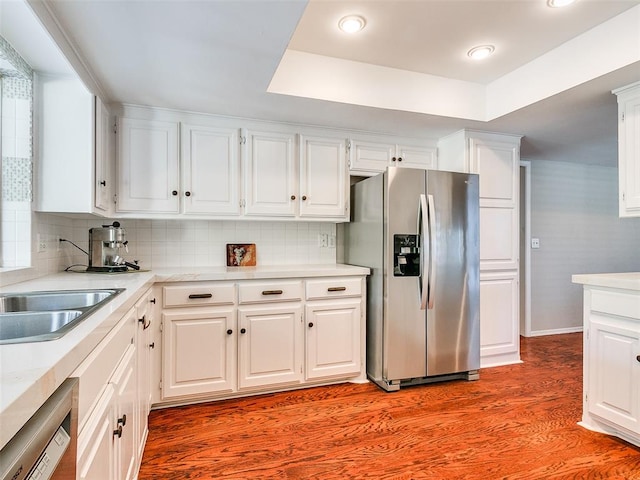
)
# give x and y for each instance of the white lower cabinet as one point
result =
(332, 338)
(113, 404)
(611, 402)
(96, 447)
(269, 345)
(614, 376)
(224, 339)
(198, 351)
(145, 343)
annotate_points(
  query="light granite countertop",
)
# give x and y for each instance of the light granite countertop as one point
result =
(31, 372)
(624, 281)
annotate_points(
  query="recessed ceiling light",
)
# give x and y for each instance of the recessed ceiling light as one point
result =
(352, 23)
(559, 3)
(481, 51)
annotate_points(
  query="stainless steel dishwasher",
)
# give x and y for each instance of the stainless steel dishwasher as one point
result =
(45, 447)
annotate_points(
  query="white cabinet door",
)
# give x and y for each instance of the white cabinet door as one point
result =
(370, 157)
(498, 163)
(125, 383)
(269, 345)
(324, 185)
(144, 342)
(614, 370)
(499, 329)
(332, 338)
(629, 150)
(96, 443)
(416, 157)
(199, 351)
(103, 181)
(148, 166)
(270, 174)
(210, 170)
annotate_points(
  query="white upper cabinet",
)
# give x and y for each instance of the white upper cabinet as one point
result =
(210, 170)
(74, 148)
(371, 157)
(148, 166)
(629, 149)
(173, 164)
(103, 162)
(324, 183)
(270, 174)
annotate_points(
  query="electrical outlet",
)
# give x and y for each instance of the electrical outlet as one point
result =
(42, 243)
(535, 243)
(332, 241)
(322, 240)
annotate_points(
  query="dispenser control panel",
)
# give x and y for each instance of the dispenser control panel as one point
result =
(406, 255)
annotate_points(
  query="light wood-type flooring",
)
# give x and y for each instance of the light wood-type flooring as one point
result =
(516, 422)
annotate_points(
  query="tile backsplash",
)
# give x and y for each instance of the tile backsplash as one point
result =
(188, 243)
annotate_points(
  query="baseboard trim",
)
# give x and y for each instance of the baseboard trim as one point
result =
(556, 331)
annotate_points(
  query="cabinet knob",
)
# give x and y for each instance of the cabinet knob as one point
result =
(399, 159)
(243, 330)
(152, 345)
(304, 197)
(393, 159)
(310, 324)
(153, 300)
(293, 197)
(174, 192)
(118, 431)
(229, 332)
(187, 194)
(103, 183)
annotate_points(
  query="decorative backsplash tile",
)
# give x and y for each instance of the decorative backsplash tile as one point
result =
(13, 64)
(17, 174)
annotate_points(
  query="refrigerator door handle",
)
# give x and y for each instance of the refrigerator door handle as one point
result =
(432, 252)
(424, 254)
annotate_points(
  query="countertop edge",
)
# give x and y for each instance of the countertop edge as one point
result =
(624, 281)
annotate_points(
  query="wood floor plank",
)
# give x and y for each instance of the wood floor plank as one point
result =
(518, 422)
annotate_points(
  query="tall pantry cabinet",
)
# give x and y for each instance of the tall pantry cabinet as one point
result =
(496, 158)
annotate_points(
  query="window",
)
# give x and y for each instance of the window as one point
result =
(16, 107)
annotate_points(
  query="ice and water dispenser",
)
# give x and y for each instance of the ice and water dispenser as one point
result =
(406, 255)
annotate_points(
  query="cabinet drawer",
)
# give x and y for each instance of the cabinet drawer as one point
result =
(269, 292)
(334, 287)
(615, 303)
(195, 294)
(96, 370)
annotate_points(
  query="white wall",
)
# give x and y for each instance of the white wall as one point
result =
(574, 212)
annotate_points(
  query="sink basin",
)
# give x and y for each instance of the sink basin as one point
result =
(29, 326)
(56, 300)
(41, 316)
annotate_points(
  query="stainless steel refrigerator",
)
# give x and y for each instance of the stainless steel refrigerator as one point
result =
(417, 230)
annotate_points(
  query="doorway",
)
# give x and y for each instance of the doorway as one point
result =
(525, 248)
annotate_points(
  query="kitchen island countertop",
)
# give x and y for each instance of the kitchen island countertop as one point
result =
(625, 281)
(31, 372)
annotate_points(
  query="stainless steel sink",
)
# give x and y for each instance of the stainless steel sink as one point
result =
(41, 316)
(36, 326)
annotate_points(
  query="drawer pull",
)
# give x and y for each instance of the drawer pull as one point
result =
(144, 322)
(336, 289)
(272, 292)
(201, 295)
(118, 432)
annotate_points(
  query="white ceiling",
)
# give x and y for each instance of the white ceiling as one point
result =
(220, 56)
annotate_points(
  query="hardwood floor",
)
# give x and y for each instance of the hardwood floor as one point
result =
(516, 422)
